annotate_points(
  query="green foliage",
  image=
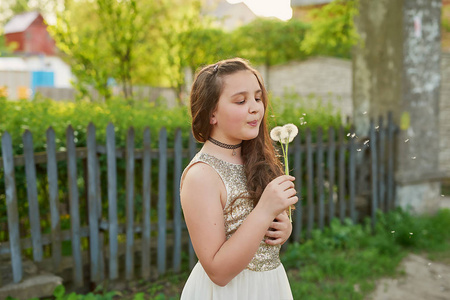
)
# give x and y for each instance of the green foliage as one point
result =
(130, 41)
(270, 41)
(332, 30)
(205, 46)
(308, 112)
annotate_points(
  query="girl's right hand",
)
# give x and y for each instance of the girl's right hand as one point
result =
(278, 195)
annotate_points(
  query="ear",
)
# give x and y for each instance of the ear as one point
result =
(212, 120)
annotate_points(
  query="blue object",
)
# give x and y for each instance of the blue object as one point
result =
(42, 78)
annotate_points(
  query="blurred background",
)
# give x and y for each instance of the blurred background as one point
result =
(367, 82)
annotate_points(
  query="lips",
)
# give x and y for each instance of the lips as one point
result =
(253, 123)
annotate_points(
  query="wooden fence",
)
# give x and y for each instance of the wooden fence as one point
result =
(344, 177)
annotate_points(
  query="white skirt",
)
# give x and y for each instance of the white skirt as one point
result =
(247, 285)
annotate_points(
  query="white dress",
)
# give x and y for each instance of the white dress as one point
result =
(264, 278)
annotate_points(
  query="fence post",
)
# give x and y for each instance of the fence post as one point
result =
(146, 203)
(381, 161)
(129, 256)
(94, 244)
(331, 172)
(74, 207)
(52, 175)
(390, 163)
(11, 207)
(162, 190)
(177, 205)
(298, 186)
(374, 173)
(310, 182)
(192, 152)
(352, 176)
(33, 204)
(112, 201)
(320, 176)
(341, 189)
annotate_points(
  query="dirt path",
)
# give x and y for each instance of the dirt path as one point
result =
(423, 280)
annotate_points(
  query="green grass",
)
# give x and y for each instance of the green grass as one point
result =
(342, 262)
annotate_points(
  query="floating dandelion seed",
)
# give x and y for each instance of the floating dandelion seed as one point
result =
(393, 231)
(407, 140)
(365, 112)
(442, 195)
(304, 114)
(411, 233)
(376, 127)
(366, 142)
(348, 134)
(429, 264)
(413, 157)
(359, 150)
(353, 135)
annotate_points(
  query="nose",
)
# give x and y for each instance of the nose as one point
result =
(255, 106)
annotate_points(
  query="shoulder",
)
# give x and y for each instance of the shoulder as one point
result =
(200, 175)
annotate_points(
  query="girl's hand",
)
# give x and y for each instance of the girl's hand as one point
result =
(278, 195)
(280, 230)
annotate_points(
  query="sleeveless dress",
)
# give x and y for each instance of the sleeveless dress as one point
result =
(265, 277)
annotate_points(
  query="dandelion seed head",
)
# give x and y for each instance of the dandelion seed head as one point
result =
(275, 133)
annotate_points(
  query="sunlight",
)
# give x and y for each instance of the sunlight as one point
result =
(269, 8)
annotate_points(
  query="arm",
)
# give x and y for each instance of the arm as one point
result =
(223, 259)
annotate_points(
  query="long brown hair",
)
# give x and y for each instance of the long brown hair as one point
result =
(260, 162)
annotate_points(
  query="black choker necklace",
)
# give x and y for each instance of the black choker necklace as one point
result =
(226, 146)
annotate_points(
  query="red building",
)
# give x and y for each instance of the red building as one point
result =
(29, 32)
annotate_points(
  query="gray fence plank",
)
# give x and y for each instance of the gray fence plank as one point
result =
(320, 176)
(101, 235)
(146, 204)
(129, 256)
(33, 204)
(192, 152)
(310, 182)
(52, 175)
(341, 174)
(298, 186)
(331, 172)
(390, 162)
(381, 163)
(374, 173)
(11, 207)
(112, 201)
(94, 245)
(162, 191)
(74, 208)
(176, 202)
(352, 177)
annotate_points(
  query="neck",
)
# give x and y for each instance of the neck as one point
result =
(224, 153)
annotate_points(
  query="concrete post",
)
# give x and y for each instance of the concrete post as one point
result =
(396, 67)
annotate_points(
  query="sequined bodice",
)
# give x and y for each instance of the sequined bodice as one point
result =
(233, 175)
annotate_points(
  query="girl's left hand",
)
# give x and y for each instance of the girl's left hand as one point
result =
(280, 230)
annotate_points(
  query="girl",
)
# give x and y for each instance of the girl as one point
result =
(233, 193)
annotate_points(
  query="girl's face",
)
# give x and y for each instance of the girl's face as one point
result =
(240, 109)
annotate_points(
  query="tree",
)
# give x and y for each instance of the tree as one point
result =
(130, 41)
(332, 30)
(271, 41)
